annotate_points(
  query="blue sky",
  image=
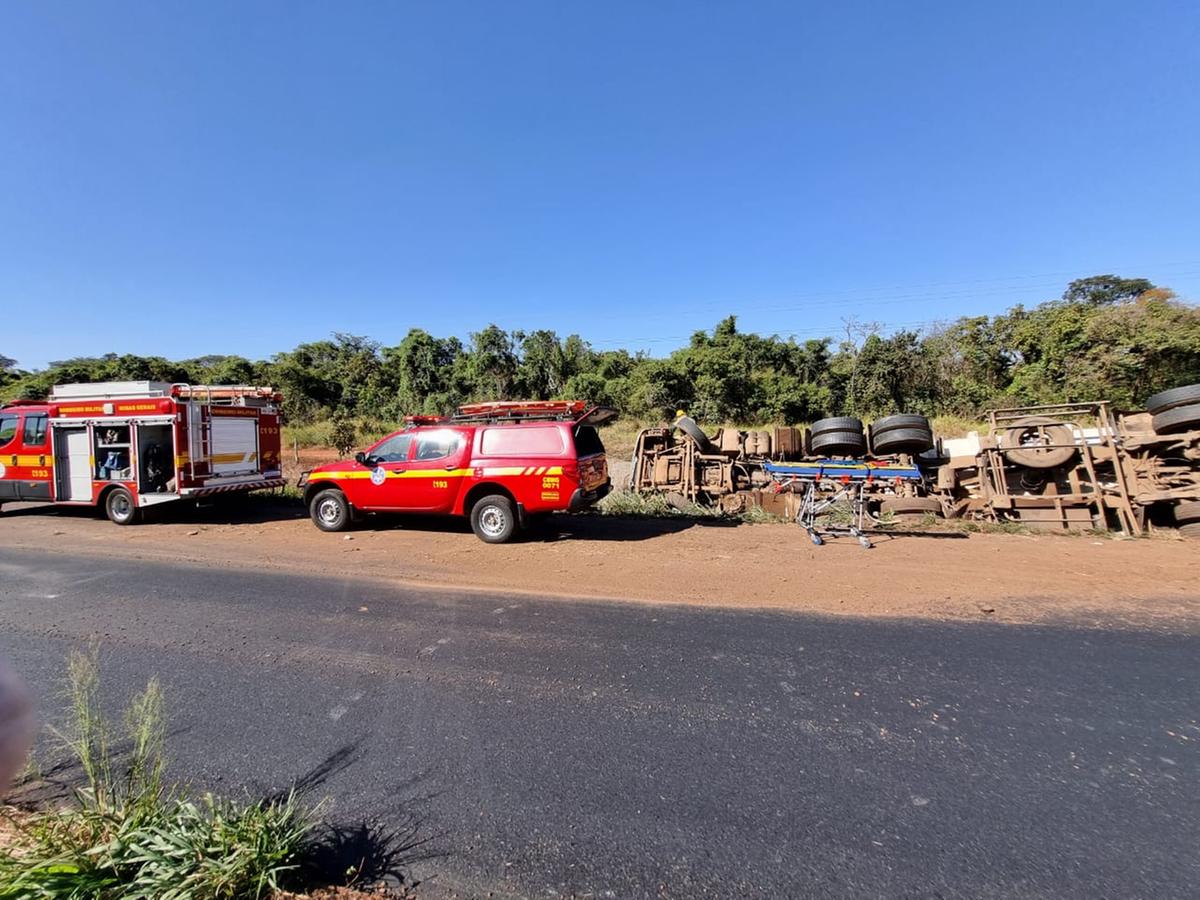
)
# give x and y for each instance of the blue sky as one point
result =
(181, 179)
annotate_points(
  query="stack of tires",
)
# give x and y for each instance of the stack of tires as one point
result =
(1175, 410)
(901, 434)
(844, 436)
(839, 436)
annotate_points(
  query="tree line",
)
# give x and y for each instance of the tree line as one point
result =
(1112, 338)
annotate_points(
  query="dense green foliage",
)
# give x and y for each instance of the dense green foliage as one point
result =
(1107, 338)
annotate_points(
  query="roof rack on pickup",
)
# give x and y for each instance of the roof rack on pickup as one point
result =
(521, 411)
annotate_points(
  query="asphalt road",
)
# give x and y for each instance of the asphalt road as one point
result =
(556, 747)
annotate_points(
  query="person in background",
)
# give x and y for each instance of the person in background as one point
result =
(16, 725)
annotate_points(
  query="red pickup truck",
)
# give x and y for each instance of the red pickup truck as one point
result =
(501, 464)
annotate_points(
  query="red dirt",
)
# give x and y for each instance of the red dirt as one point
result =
(997, 576)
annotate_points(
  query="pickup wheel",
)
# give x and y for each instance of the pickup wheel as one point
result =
(329, 510)
(119, 507)
(493, 519)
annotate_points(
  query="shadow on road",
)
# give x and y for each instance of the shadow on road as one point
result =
(357, 850)
(258, 509)
(230, 509)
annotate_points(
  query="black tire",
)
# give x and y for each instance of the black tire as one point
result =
(839, 443)
(1191, 531)
(1187, 511)
(934, 457)
(688, 426)
(1180, 396)
(329, 510)
(902, 440)
(1025, 440)
(493, 519)
(120, 507)
(891, 423)
(1181, 418)
(836, 423)
(912, 506)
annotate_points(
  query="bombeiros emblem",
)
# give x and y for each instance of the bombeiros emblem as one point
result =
(378, 475)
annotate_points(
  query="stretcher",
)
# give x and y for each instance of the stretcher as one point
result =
(825, 483)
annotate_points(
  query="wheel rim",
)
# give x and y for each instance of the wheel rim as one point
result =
(492, 521)
(330, 512)
(121, 506)
(1034, 438)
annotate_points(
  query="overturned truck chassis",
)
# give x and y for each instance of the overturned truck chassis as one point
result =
(1073, 466)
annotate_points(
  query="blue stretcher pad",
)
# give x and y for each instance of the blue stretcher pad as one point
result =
(855, 470)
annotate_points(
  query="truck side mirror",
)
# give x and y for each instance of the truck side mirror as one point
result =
(360, 458)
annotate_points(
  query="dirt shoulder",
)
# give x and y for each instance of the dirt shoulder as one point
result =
(995, 576)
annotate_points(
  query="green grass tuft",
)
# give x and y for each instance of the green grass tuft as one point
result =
(128, 836)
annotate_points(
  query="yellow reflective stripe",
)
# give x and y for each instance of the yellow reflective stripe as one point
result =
(417, 473)
(29, 461)
(223, 458)
(490, 472)
(517, 470)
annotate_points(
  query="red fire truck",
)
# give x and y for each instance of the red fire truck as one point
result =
(129, 445)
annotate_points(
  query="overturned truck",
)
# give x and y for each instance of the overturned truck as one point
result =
(1072, 466)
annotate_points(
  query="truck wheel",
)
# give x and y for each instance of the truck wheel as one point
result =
(329, 510)
(493, 519)
(1181, 418)
(688, 426)
(838, 443)
(1187, 512)
(1180, 396)
(902, 440)
(908, 508)
(904, 420)
(119, 507)
(836, 423)
(1028, 442)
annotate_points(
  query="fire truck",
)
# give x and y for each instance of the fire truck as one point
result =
(128, 445)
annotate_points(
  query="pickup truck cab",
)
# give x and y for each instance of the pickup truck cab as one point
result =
(499, 464)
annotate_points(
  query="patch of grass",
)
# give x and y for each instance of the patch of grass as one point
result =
(289, 493)
(631, 503)
(972, 526)
(321, 432)
(127, 835)
(756, 515)
(309, 434)
(957, 426)
(620, 436)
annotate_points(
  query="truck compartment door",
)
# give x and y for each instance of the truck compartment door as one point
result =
(234, 445)
(73, 464)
